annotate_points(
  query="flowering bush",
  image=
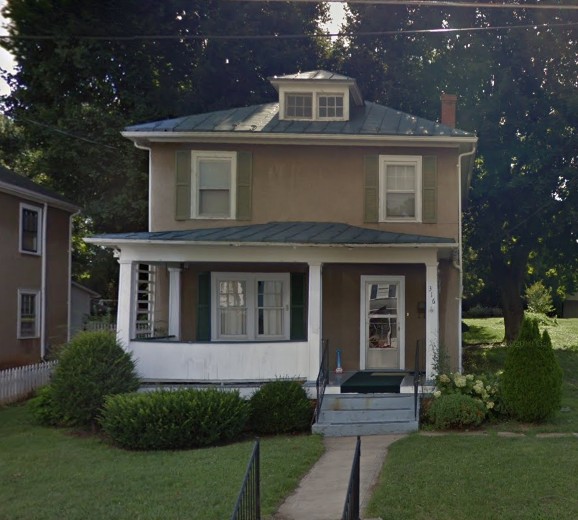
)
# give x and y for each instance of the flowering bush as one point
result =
(484, 388)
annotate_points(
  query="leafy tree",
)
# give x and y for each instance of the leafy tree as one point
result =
(85, 70)
(517, 90)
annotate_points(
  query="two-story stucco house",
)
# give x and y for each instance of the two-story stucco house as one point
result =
(273, 227)
(35, 225)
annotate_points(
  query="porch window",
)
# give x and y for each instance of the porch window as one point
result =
(28, 314)
(400, 188)
(145, 301)
(30, 226)
(213, 184)
(250, 306)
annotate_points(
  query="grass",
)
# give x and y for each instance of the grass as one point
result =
(50, 474)
(461, 476)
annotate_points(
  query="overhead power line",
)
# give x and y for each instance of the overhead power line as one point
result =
(435, 3)
(145, 37)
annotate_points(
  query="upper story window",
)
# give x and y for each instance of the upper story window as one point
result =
(400, 188)
(28, 314)
(213, 184)
(30, 229)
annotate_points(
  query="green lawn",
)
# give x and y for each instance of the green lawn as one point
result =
(460, 476)
(50, 474)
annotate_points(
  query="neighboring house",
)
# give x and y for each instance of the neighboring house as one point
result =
(35, 228)
(81, 298)
(570, 309)
(275, 226)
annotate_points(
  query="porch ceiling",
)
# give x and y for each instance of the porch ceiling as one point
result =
(280, 233)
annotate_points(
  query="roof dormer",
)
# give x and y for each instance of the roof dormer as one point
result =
(316, 95)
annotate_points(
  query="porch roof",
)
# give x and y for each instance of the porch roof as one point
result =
(280, 233)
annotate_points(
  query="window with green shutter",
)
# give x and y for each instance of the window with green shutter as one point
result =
(213, 185)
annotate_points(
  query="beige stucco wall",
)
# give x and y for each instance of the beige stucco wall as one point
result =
(24, 271)
(306, 183)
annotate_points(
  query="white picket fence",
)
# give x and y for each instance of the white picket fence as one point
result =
(100, 326)
(18, 383)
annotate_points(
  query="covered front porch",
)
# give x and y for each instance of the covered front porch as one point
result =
(204, 311)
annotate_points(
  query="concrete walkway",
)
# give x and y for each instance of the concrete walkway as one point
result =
(321, 493)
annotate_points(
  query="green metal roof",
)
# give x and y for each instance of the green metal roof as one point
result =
(366, 120)
(313, 233)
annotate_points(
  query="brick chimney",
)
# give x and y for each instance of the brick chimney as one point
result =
(448, 109)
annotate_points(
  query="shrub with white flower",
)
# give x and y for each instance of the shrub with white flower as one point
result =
(482, 387)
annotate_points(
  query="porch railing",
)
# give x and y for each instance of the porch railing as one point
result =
(351, 508)
(322, 379)
(248, 506)
(416, 377)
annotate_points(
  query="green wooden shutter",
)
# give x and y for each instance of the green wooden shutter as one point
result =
(204, 307)
(429, 189)
(371, 171)
(244, 183)
(298, 307)
(183, 185)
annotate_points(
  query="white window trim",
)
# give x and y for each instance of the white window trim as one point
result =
(39, 236)
(195, 157)
(36, 293)
(316, 92)
(386, 160)
(251, 280)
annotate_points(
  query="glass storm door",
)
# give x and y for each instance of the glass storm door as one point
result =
(383, 323)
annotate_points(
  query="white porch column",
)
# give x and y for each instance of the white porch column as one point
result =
(431, 318)
(125, 302)
(175, 302)
(314, 320)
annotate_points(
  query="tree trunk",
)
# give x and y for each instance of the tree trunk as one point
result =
(510, 278)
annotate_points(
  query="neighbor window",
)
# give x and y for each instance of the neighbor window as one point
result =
(400, 188)
(250, 306)
(330, 106)
(30, 229)
(299, 106)
(28, 311)
(213, 186)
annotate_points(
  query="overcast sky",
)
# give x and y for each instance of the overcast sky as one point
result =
(7, 63)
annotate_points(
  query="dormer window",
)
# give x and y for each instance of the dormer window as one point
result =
(315, 106)
(299, 106)
(316, 96)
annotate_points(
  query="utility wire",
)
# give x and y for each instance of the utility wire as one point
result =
(249, 37)
(434, 3)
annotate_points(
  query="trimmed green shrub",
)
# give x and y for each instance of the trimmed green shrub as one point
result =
(43, 407)
(280, 406)
(456, 411)
(90, 367)
(170, 420)
(532, 379)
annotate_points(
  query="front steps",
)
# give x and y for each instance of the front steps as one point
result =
(366, 414)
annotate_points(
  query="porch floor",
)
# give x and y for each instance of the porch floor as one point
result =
(336, 380)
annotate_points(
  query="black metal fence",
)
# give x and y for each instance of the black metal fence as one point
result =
(248, 505)
(322, 379)
(351, 508)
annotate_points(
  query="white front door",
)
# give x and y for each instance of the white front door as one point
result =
(382, 322)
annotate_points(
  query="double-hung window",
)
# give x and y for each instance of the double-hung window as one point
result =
(28, 314)
(250, 306)
(400, 188)
(213, 184)
(30, 229)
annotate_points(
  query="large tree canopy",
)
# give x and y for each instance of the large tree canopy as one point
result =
(87, 69)
(517, 88)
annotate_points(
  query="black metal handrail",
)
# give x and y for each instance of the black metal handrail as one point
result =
(351, 508)
(416, 377)
(322, 379)
(248, 506)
